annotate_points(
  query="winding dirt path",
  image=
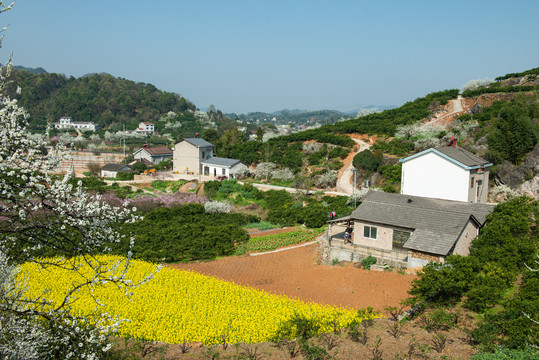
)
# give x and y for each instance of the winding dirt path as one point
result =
(447, 118)
(344, 179)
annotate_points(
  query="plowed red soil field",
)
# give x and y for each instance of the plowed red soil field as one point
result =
(297, 273)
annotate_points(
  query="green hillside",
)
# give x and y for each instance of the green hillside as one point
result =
(104, 99)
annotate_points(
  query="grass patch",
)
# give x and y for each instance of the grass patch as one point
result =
(262, 225)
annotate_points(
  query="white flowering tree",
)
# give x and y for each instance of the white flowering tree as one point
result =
(42, 214)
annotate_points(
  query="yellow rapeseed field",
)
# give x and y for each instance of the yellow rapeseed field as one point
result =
(179, 306)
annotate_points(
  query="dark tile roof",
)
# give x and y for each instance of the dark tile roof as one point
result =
(221, 161)
(456, 154)
(436, 224)
(198, 142)
(160, 150)
(116, 167)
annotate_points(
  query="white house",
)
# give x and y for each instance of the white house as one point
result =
(146, 128)
(67, 122)
(189, 154)
(450, 173)
(217, 166)
(111, 170)
(153, 155)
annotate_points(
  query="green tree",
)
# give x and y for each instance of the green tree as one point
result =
(513, 135)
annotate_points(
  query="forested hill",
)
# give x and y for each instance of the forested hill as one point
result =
(101, 98)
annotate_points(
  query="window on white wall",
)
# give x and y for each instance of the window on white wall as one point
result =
(370, 232)
(224, 171)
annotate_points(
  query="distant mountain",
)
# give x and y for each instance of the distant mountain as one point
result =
(307, 117)
(38, 70)
(371, 108)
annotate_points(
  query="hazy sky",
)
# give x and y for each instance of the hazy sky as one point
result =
(254, 55)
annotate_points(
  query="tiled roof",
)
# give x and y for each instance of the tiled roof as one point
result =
(160, 150)
(198, 142)
(458, 155)
(116, 167)
(221, 161)
(436, 224)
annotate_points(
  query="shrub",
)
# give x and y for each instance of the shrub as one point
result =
(264, 170)
(367, 160)
(217, 207)
(284, 174)
(368, 261)
(328, 179)
(125, 175)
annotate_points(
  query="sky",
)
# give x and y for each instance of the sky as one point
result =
(252, 55)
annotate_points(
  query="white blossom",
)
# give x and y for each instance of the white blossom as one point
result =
(41, 212)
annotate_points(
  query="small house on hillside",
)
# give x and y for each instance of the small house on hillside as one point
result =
(154, 155)
(146, 128)
(66, 122)
(407, 231)
(450, 173)
(111, 170)
(217, 166)
(189, 154)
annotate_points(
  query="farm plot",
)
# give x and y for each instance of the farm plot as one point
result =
(274, 241)
(179, 306)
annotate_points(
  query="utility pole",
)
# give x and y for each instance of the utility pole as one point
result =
(354, 172)
(124, 139)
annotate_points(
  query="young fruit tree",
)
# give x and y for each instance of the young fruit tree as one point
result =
(49, 220)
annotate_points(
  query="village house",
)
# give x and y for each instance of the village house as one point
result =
(441, 207)
(146, 128)
(111, 170)
(406, 231)
(221, 167)
(189, 154)
(450, 173)
(152, 155)
(195, 156)
(67, 122)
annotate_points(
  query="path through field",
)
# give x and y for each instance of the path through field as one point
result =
(297, 274)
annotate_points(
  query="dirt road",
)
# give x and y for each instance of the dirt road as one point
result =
(344, 180)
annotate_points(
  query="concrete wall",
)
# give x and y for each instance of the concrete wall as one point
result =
(343, 254)
(187, 157)
(432, 175)
(479, 192)
(215, 170)
(462, 247)
(81, 159)
(384, 238)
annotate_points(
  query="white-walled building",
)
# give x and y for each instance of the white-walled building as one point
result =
(450, 173)
(189, 154)
(146, 128)
(111, 170)
(217, 166)
(66, 122)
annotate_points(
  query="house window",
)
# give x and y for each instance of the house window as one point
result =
(224, 171)
(370, 232)
(399, 238)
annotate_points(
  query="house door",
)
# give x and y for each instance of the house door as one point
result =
(214, 171)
